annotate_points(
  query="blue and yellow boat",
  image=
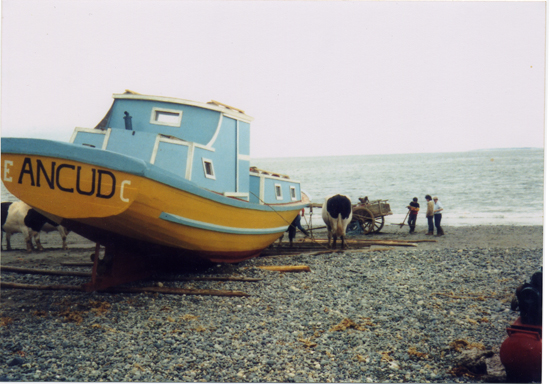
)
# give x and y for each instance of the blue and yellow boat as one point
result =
(159, 179)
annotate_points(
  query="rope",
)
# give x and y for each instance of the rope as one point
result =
(290, 224)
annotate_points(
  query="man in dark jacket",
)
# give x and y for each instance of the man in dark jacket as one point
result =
(414, 208)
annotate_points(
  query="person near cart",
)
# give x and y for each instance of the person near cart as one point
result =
(438, 208)
(430, 214)
(414, 208)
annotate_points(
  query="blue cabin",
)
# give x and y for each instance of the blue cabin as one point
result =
(205, 143)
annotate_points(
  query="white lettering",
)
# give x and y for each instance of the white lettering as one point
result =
(125, 182)
(7, 164)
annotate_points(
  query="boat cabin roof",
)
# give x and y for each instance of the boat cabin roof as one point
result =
(212, 105)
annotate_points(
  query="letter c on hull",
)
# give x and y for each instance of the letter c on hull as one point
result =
(125, 182)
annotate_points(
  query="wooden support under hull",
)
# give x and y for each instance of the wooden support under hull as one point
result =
(118, 266)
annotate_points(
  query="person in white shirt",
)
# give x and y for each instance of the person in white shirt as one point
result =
(437, 216)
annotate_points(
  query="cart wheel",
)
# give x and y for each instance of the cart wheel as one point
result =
(365, 218)
(378, 224)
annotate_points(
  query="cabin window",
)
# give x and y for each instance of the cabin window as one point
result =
(170, 117)
(293, 193)
(278, 192)
(208, 169)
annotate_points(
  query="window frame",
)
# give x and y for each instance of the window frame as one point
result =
(293, 194)
(156, 110)
(278, 188)
(206, 174)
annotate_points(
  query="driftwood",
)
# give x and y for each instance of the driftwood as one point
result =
(44, 271)
(61, 287)
(286, 268)
(77, 264)
(416, 241)
(176, 291)
(393, 243)
(213, 278)
(405, 243)
(282, 254)
(86, 274)
(348, 241)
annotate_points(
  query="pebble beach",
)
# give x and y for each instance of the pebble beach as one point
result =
(377, 314)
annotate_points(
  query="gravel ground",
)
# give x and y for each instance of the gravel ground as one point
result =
(386, 315)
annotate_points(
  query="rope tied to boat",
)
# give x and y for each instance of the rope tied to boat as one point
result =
(286, 221)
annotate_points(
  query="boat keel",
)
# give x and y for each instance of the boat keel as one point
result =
(118, 266)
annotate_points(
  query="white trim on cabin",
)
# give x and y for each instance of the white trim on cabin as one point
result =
(237, 157)
(107, 136)
(272, 177)
(189, 168)
(243, 157)
(209, 172)
(163, 139)
(215, 136)
(200, 146)
(86, 130)
(106, 133)
(214, 107)
(239, 195)
(262, 189)
(156, 112)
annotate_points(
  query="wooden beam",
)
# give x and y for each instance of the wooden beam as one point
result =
(286, 268)
(44, 271)
(177, 291)
(165, 290)
(5, 285)
(77, 264)
(208, 278)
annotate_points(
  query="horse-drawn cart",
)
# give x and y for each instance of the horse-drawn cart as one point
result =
(369, 215)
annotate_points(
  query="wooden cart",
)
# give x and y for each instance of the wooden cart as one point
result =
(369, 215)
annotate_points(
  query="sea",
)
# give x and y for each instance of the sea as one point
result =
(484, 187)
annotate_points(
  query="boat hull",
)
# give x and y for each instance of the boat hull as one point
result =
(131, 204)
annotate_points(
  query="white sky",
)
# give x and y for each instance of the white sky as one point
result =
(320, 78)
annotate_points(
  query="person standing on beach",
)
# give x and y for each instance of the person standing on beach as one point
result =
(414, 207)
(430, 215)
(437, 216)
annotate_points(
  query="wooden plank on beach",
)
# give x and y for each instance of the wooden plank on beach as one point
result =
(165, 290)
(44, 271)
(77, 264)
(177, 291)
(212, 278)
(416, 241)
(41, 287)
(394, 243)
(368, 242)
(286, 268)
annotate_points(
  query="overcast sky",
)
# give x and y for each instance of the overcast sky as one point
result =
(320, 78)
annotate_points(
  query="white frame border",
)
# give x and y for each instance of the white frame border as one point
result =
(295, 198)
(281, 197)
(213, 176)
(173, 111)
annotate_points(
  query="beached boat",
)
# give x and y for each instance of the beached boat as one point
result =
(157, 179)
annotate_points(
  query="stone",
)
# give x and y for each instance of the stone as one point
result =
(16, 361)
